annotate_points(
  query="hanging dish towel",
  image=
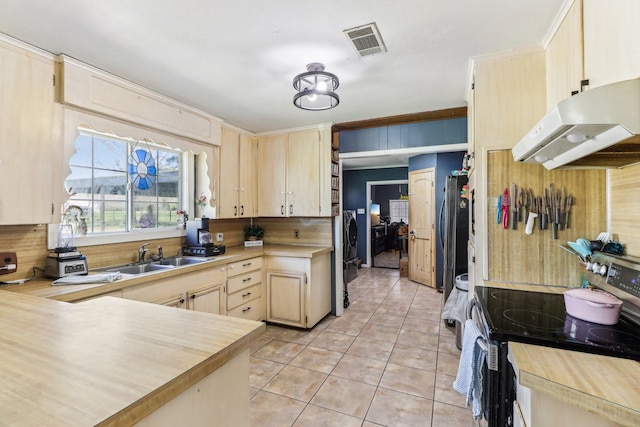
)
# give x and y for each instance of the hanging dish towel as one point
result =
(469, 378)
(92, 278)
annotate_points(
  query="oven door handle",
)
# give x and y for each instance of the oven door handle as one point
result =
(490, 348)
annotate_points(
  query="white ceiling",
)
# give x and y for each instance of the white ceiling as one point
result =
(237, 59)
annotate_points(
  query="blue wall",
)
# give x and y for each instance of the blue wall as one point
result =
(439, 132)
(424, 134)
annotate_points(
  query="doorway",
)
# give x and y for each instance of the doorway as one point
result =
(384, 211)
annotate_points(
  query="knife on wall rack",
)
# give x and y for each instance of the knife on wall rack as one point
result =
(513, 200)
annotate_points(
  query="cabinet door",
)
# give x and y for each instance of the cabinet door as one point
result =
(564, 58)
(28, 157)
(611, 42)
(247, 177)
(229, 163)
(303, 174)
(208, 299)
(176, 301)
(285, 298)
(271, 186)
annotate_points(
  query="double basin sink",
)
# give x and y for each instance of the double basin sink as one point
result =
(153, 266)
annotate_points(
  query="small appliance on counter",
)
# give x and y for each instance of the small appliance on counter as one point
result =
(199, 240)
(66, 259)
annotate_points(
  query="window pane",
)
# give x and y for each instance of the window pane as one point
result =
(83, 155)
(108, 216)
(111, 185)
(110, 154)
(145, 215)
(167, 216)
(79, 183)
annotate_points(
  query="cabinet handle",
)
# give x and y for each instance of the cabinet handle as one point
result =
(235, 211)
(248, 264)
(181, 300)
(246, 309)
(246, 295)
(248, 279)
(193, 297)
(290, 209)
(242, 210)
(282, 209)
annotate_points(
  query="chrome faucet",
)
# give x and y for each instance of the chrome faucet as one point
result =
(141, 252)
(160, 255)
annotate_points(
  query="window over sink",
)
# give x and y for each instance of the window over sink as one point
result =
(121, 184)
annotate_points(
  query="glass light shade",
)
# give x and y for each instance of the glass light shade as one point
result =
(316, 89)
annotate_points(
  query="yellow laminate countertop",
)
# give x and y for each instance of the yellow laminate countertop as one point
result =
(606, 386)
(42, 286)
(107, 361)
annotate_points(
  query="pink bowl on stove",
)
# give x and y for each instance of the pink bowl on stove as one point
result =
(595, 306)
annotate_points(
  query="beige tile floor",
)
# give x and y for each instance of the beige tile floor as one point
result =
(388, 361)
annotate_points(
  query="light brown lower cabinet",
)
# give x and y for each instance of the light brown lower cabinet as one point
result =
(245, 289)
(202, 290)
(298, 289)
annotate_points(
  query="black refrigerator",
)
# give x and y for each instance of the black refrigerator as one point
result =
(454, 230)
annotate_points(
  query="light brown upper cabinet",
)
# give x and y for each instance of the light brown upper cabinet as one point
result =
(28, 156)
(238, 175)
(596, 41)
(565, 70)
(294, 174)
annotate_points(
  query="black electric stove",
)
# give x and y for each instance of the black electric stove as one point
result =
(541, 319)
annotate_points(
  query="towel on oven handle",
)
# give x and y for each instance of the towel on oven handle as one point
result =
(469, 378)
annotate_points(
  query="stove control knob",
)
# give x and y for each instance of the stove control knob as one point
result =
(595, 267)
(602, 270)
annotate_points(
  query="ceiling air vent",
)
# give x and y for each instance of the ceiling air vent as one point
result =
(366, 39)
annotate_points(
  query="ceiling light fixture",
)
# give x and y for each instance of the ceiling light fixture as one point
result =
(316, 89)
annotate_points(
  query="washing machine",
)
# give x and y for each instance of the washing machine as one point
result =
(350, 246)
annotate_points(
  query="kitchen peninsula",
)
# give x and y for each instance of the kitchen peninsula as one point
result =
(111, 361)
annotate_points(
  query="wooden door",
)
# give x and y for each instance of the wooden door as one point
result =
(303, 174)
(229, 163)
(285, 298)
(422, 227)
(247, 177)
(271, 185)
(208, 299)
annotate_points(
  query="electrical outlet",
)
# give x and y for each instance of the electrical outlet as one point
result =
(8, 262)
(219, 237)
(296, 233)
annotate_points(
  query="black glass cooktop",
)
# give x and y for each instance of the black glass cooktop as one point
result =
(540, 318)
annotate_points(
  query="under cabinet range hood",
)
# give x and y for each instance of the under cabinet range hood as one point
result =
(599, 128)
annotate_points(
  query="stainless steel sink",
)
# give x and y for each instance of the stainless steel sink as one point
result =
(153, 266)
(139, 268)
(180, 260)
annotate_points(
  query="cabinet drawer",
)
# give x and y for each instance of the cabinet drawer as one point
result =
(240, 282)
(253, 310)
(243, 296)
(240, 267)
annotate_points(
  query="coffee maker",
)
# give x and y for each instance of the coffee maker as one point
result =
(199, 240)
